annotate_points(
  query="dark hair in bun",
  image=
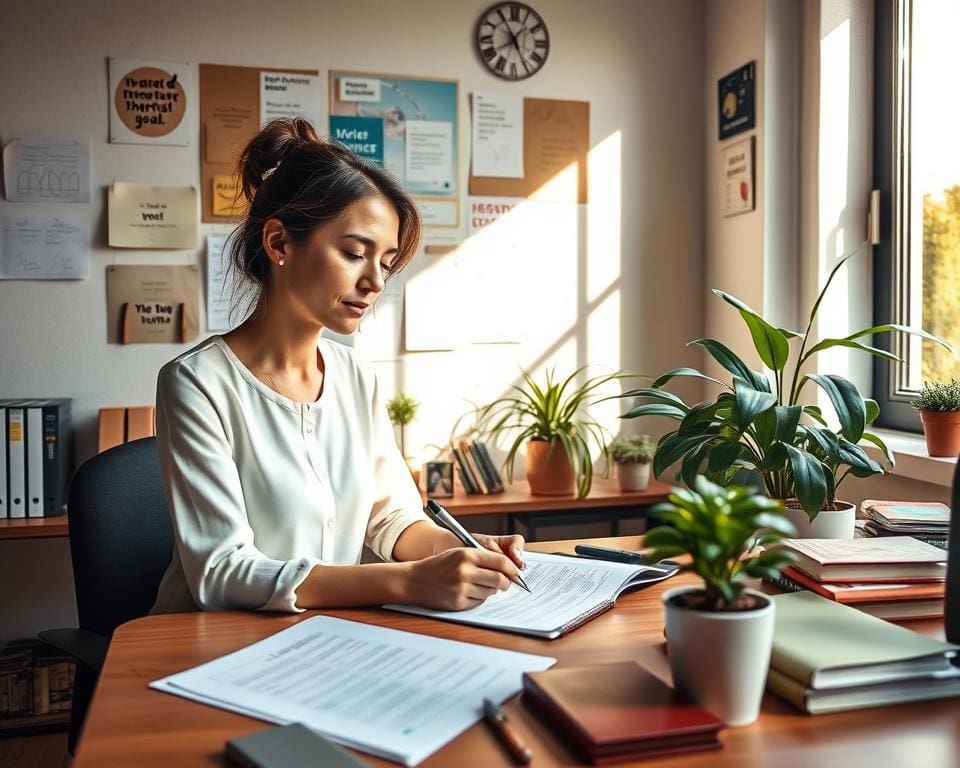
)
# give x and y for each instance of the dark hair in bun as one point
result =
(289, 173)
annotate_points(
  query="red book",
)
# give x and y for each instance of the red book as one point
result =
(615, 712)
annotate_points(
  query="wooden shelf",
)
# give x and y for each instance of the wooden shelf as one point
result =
(33, 528)
(31, 725)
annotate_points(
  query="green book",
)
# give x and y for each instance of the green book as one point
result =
(814, 702)
(822, 644)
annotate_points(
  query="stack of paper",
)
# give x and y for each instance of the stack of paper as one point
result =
(394, 694)
(828, 657)
(928, 521)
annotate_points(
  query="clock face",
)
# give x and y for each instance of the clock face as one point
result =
(512, 40)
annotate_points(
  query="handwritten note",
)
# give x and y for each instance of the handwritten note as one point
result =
(38, 169)
(152, 217)
(43, 247)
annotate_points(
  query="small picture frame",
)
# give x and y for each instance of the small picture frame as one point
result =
(439, 479)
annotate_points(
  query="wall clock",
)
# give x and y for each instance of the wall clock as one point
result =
(512, 40)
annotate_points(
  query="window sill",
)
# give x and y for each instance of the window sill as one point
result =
(910, 452)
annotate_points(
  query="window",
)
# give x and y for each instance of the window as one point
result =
(917, 169)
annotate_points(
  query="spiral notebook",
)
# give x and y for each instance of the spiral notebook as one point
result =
(565, 593)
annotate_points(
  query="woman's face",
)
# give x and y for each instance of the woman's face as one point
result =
(335, 276)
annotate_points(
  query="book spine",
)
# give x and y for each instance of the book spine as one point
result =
(788, 689)
(487, 460)
(471, 465)
(784, 582)
(481, 468)
(465, 478)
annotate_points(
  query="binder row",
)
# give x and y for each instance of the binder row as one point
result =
(478, 473)
(36, 457)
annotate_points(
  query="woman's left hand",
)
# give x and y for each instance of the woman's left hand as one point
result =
(511, 546)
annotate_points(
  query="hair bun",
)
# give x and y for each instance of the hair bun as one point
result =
(267, 150)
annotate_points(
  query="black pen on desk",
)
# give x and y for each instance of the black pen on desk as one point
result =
(449, 522)
(507, 733)
(615, 555)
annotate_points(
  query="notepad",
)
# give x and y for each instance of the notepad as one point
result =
(565, 593)
(394, 694)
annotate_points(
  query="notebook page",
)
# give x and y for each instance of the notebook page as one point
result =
(561, 589)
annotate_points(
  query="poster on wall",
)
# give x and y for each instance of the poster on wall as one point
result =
(44, 247)
(736, 101)
(738, 177)
(289, 94)
(149, 102)
(152, 303)
(497, 148)
(417, 134)
(42, 169)
(140, 216)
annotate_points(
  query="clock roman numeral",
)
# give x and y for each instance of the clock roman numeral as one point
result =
(514, 12)
(500, 64)
(489, 53)
(537, 28)
(540, 43)
(486, 40)
(500, 14)
(537, 58)
(513, 70)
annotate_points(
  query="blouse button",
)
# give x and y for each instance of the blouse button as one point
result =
(330, 524)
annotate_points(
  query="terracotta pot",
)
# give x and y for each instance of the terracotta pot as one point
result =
(942, 430)
(634, 476)
(549, 472)
(828, 524)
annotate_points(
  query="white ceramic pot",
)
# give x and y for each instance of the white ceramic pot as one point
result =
(829, 524)
(720, 659)
(634, 476)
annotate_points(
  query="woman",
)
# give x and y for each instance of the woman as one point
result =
(278, 459)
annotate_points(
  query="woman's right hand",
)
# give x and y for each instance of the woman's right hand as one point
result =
(457, 579)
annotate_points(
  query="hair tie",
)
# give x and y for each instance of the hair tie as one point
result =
(269, 172)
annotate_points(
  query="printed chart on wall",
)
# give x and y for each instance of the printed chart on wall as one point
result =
(407, 124)
(234, 103)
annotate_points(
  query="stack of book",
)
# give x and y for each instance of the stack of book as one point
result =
(828, 657)
(894, 578)
(36, 686)
(928, 521)
(478, 473)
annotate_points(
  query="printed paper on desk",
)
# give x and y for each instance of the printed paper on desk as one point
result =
(44, 247)
(394, 694)
(152, 217)
(39, 169)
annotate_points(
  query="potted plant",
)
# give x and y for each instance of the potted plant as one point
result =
(759, 429)
(719, 636)
(551, 420)
(402, 410)
(939, 407)
(632, 455)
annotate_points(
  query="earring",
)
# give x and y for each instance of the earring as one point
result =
(281, 261)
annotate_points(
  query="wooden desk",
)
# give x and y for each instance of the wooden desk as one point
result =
(33, 528)
(129, 724)
(605, 503)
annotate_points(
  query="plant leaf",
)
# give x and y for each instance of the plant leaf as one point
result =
(850, 343)
(848, 403)
(888, 454)
(672, 447)
(654, 409)
(891, 327)
(664, 378)
(809, 482)
(748, 404)
(771, 344)
(732, 363)
(860, 464)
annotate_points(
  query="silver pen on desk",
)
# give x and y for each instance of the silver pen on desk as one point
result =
(449, 522)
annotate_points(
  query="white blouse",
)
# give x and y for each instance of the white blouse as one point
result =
(262, 488)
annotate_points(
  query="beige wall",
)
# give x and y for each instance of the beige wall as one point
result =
(616, 285)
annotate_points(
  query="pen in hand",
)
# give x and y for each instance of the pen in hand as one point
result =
(507, 733)
(448, 521)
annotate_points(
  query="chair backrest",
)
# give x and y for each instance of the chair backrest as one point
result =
(121, 538)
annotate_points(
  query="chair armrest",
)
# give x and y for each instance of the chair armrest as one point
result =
(86, 646)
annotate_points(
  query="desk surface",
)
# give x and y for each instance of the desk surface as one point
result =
(516, 498)
(130, 724)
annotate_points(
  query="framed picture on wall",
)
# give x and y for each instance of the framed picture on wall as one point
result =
(735, 100)
(439, 481)
(737, 174)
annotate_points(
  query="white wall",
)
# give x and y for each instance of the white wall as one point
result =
(623, 290)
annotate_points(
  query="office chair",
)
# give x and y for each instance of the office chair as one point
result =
(121, 540)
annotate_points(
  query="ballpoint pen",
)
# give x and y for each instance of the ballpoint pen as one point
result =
(449, 522)
(507, 733)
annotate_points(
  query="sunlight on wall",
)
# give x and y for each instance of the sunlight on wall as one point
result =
(538, 288)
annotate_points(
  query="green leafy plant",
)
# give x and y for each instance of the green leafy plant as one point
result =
(402, 410)
(938, 396)
(722, 530)
(632, 449)
(755, 427)
(554, 411)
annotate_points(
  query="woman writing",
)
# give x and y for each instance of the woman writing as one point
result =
(278, 459)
